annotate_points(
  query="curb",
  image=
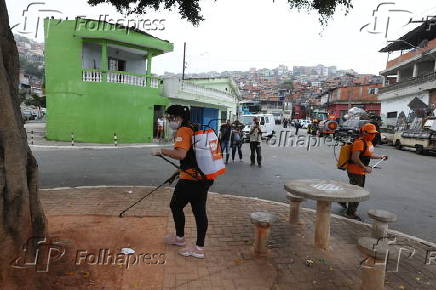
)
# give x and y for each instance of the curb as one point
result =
(96, 147)
(414, 238)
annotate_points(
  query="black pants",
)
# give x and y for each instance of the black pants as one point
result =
(255, 150)
(194, 192)
(237, 146)
(355, 179)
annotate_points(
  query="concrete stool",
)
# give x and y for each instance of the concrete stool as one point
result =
(381, 220)
(374, 266)
(263, 222)
(294, 208)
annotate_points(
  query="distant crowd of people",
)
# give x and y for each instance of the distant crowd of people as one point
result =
(231, 136)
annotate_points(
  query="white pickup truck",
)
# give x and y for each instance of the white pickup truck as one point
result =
(423, 140)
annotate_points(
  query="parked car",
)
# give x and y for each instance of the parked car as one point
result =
(27, 115)
(423, 140)
(387, 136)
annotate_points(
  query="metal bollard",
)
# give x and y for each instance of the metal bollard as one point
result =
(115, 140)
(72, 138)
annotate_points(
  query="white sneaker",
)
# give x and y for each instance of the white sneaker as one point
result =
(174, 240)
(193, 251)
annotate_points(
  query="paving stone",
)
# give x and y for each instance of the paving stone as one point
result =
(230, 263)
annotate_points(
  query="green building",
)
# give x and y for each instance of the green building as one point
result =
(99, 81)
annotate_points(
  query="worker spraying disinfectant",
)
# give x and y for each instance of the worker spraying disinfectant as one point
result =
(200, 163)
(355, 158)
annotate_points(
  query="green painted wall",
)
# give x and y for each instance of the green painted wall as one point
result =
(93, 111)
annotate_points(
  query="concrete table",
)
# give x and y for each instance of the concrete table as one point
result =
(325, 192)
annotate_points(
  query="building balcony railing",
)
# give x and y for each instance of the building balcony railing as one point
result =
(126, 78)
(120, 77)
(91, 76)
(409, 82)
(203, 91)
(186, 90)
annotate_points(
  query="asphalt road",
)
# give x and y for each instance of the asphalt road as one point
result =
(405, 185)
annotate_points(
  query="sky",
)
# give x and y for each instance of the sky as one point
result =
(241, 34)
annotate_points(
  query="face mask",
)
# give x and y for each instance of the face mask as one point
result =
(369, 137)
(175, 125)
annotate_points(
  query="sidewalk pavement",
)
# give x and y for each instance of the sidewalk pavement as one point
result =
(230, 263)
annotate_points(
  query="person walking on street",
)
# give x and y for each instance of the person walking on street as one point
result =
(224, 137)
(361, 153)
(192, 186)
(285, 123)
(297, 126)
(236, 139)
(255, 143)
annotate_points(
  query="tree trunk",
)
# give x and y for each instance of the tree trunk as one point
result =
(21, 214)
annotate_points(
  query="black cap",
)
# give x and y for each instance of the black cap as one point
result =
(179, 110)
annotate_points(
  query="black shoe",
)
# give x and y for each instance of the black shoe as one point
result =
(352, 216)
(343, 205)
(251, 164)
(259, 165)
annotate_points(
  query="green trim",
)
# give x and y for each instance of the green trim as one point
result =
(104, 59)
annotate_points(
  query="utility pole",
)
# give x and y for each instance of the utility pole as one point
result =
(184, 62)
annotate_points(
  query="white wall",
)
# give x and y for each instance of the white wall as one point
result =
(400, 105)
(91, 53)
(135, 63)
